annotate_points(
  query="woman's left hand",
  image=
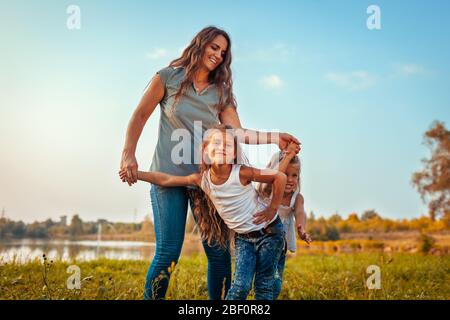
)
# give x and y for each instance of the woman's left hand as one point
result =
(284, 139)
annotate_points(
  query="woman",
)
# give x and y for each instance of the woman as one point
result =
(195, 87)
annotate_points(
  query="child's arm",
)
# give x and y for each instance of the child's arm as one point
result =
(166, 180)
(291, 151)
(300, 219)
(276, 178)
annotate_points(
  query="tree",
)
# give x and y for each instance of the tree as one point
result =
(76, 226)
(369, 214)
(147, 229)
(321, 230)
(37, 230)
(19, 229)
(311, 217)
(353, 217)
(433, 182)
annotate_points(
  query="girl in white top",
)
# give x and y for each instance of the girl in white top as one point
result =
(259, 239)
(291, 210)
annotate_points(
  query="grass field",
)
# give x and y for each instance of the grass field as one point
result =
(343, 276)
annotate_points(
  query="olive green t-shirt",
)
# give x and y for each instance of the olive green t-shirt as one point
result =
(178, 151)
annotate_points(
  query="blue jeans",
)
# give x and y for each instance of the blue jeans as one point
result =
(278, 282)
(170, 206)
(256, 258)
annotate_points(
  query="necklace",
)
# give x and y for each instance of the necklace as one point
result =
(199, 90)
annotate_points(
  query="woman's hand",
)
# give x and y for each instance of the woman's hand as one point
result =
(129, 165)
(284, 139)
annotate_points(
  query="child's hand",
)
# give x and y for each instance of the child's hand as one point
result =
(303, 235)
(293, 148)
(264, 216)
(284, 139)
(123, 175)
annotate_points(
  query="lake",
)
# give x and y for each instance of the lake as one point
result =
(25, 250)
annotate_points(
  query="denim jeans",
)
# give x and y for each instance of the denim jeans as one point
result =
(256, 259)
(170, 206)
(278, 281)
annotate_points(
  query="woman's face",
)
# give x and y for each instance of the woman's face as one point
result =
(220, 149)
(215, 53)
(292, 173)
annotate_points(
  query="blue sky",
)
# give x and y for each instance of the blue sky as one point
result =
(358, 99)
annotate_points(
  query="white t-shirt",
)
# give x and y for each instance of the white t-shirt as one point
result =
(235, 203)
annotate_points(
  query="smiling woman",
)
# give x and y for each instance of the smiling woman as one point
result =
(195, 88)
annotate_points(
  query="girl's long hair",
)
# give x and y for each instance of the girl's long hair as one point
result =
(191, 60)
(212, 228)
(265, 189)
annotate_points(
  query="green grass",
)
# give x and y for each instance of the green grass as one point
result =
(403, 276)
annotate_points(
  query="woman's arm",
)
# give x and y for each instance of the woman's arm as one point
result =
(152, 96)
(276, 178)
(230, 117)
(164, 179)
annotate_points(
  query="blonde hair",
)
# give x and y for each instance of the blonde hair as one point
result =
(265, 189)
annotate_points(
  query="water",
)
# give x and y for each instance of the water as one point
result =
(23, 251)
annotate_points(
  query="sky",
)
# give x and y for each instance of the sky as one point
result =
(359, 100)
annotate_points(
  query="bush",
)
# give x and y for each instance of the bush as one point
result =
(426, 243)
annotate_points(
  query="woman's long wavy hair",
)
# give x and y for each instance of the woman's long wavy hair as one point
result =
(212, 228)
(191, 60)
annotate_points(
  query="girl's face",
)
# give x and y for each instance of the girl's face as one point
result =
(220, 149)
(292, 174)
(215, 52)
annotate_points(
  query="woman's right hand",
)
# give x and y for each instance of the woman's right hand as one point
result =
(130, 165)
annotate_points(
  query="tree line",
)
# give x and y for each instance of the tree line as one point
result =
(61, 229)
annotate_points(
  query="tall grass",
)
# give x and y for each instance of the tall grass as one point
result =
(403, 276)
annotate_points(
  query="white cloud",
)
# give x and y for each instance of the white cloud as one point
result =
(412, 69)
(272, 81)
(158, 53)
(354, 81)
